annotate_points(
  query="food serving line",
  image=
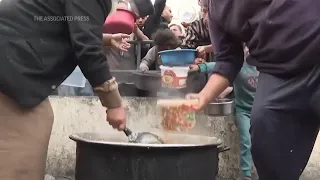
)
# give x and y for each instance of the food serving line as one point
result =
(178, 155)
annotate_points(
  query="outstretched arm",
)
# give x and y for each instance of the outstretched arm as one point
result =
(87, 43)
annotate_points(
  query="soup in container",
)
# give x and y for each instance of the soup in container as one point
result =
(177, 115)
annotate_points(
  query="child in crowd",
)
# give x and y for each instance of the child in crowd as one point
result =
(244, 88)
(164, 39)
(177, 29)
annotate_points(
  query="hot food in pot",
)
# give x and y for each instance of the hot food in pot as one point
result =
(178, 115)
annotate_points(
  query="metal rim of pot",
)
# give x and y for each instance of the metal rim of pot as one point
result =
(216, 142)
(221, 148)
(222, 101)
(219, 107)
(152, 73)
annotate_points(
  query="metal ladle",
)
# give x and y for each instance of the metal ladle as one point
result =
(142, 137)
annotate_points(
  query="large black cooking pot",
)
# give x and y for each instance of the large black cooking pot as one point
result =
(110, 157)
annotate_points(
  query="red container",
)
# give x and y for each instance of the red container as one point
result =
(121, 21)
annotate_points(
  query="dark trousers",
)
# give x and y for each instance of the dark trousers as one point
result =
(284, 124)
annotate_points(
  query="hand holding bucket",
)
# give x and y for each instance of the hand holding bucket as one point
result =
(122, 21)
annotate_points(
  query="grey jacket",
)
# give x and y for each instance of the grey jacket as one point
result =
(151, 57)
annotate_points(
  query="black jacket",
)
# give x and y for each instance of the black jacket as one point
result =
(283, 35)
(42, 41)
(154, 21)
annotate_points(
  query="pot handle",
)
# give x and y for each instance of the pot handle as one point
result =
(127, 131)
(223, 148)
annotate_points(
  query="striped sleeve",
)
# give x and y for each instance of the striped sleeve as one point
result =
(192, 35)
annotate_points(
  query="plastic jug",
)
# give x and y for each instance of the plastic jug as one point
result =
(122, 21)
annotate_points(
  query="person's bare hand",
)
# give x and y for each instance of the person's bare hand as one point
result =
(201, 98)
(194, 68)
(119, 42)
(202, 50)
(117, 118)
(246, 52)
(185, 24)
(122, 5)
(199, 61)
(143, 67)
(135, 29)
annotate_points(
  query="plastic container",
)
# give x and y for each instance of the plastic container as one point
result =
(174, 77)
(178, 115)
(121, 21)
(76, 79)
(188, 13)
(178, 57)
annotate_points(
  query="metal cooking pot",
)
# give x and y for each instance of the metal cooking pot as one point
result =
(187, 157)
(150, 80)
(220, 107)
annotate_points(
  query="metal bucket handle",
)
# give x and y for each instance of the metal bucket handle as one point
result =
(223, 148)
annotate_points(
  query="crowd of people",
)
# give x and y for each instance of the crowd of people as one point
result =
(169, 34)
(166, 34)
(275, 42)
